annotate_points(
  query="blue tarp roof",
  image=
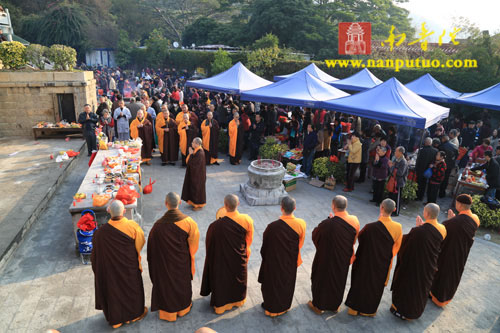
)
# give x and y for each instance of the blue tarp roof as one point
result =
(487, 98)
(432, 90)
(232, 81)
(391, 102)
(301, 89)
(311, 69)
(362, 80)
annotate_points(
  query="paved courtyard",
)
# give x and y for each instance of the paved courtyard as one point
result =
(44, 285)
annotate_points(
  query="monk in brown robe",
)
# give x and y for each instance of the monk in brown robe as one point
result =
(116, 263)
(187, 132)
(143, 128)
(379, 242)
(281, 244)
(417, 265)
(334, 240)
(210, 134)
(236, 139)
(460, 231)
(168, 138)
(172, 244)
(193, 118)
(193, 190)
(228, 243)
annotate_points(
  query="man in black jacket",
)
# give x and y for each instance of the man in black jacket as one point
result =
(256, 134)
(492, 174)
(89, 119)
(310, 142)
(451, 156)
(426, 156)
(469, 135)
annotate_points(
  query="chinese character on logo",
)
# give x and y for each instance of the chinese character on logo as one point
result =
(392, 38)
(355, 38)
(423, 37)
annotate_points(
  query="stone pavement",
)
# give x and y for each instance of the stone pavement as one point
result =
(45, 285)
(28, 179)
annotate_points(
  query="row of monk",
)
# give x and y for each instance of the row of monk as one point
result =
(430, 262)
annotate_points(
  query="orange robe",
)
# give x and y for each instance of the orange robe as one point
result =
(210, 140)
(233, 136)
(183, 144)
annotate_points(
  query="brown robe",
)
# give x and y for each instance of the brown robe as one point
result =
(278, 271)
(240, 142)
(119, 291)
(225, 271)
(214, 142)
(146, 133)
(415, 270)
(334, 239)
(169, 264)
(170, 142)
(194, 182)
(369, 270)
(454, 253)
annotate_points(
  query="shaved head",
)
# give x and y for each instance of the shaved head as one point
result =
(116, 208)
(172, 200)
(340, 203)
(288, 205)
(231, 201)
(432, 211)
(388, 206)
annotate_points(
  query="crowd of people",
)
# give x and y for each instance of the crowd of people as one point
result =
(430, 260)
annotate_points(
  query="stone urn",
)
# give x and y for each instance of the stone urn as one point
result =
(265, 183)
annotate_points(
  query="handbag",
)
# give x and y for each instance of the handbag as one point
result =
(391, 185)
(428, 173)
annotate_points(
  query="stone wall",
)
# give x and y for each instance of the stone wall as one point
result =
(29, 97)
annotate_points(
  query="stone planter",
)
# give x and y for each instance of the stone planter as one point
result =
(265, 183)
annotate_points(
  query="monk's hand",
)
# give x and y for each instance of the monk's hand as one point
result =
(330, 215)
(167, 129)
(419, 221)
(450, 214)
(190, 150)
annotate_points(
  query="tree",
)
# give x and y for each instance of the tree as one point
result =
(124, 49)
(199, 31)
(157, 46)
(35, 54)
(12, 54)
(267, 41)
(222, 61)
(261, 60)
(63, 57)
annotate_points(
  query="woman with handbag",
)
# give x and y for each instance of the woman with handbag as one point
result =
(397, 180)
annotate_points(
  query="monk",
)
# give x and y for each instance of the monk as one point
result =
(460, 231)
(379, 242)
(172, 244)
(334, 240)
(187, 132)
(417, 265)
(281, 244)
(116, 263)
(193, 190)
(228, 243)
(210, 134)
(193, 118)
(236, 139)
(143, 128)
(168, 138)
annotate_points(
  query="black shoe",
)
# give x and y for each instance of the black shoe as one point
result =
(163, 163)
(216, 163)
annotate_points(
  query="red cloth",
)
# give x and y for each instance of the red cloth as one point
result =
(245, 121)
(127, 195)
(86, 222)
(346, 127)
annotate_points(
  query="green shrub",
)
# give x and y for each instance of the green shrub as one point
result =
(13, 55)
(489, 218)
(63, 57)
(223, 141)
(409, 192)
(222, 62)
(323, 168)
(35, 53)
(272, 150)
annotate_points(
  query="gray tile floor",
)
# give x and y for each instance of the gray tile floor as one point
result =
(45, 285)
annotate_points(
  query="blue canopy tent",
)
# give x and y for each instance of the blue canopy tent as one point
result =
(362, 80)
(232, 81)
(301, 89)
(391, 102)
(488, 98)
(311, 69)
(432, 90)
